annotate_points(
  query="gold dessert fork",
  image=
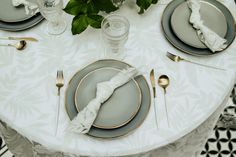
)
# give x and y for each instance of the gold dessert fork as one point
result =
(176, 58)
(59, 84)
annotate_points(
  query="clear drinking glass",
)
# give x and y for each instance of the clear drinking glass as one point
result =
(53, 13)
(115, 31)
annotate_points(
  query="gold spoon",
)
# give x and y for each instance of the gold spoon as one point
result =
(19, 45)
(164, 81)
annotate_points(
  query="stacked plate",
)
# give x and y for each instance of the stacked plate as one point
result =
(123, 112)
(14, 18)
(181, 34)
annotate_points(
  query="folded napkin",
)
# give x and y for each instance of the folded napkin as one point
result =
(30, 8)
(212, 40)
(85, 118)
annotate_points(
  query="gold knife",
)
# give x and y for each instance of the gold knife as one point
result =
(19, 38)
(152, 79)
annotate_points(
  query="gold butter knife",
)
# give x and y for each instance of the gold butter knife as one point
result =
(19, 38)
(152, 79)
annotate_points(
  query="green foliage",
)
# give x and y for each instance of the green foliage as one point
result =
(86, 12)
(145, 4)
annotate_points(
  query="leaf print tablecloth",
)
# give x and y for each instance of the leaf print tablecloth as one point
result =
(28, 98)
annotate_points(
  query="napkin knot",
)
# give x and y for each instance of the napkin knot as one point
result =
(212, 40)
(104, 91)
(30, 8)
(85, 118)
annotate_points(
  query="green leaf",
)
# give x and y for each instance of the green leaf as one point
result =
(95, 20)
(81, 22)
(144, 4)
(86, 12)
(141, 11)
(76, 7)
(154, 1)
(104, 5)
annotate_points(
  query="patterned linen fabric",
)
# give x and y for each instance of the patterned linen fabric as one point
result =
(28, 93)
(222, 141)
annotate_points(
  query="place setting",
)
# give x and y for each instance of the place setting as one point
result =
(107, 99)
(199, 28)
(15, 17)
(20, 15)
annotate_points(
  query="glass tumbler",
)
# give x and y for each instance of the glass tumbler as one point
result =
(53, 13)
(115, 31)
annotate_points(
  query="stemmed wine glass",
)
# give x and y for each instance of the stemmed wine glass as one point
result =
(53, 13)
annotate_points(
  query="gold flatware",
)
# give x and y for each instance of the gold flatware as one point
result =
(163, 82)
(59, 84)
(19, 38)
(176, 58)
(20, 45)
(153, 83)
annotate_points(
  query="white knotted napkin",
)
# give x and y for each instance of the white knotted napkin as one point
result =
(85, 118)
(30, 8)
(212, 40)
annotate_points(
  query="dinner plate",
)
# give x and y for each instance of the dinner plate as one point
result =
(212, 17)
(9, 13)
(19, 26)
(119, 109)
(176, 42)
(109, 133)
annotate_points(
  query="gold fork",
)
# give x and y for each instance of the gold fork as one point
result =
(59, 84)
(176, 58)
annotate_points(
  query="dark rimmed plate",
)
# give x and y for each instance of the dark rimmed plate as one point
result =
(112, 133)
(176, 42)
(23, 25)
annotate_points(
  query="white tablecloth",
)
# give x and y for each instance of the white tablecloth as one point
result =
(28, 97)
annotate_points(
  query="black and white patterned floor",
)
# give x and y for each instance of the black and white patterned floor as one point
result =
(4, 152)
(222, 142)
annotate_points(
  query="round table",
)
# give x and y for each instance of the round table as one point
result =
(28, 95)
